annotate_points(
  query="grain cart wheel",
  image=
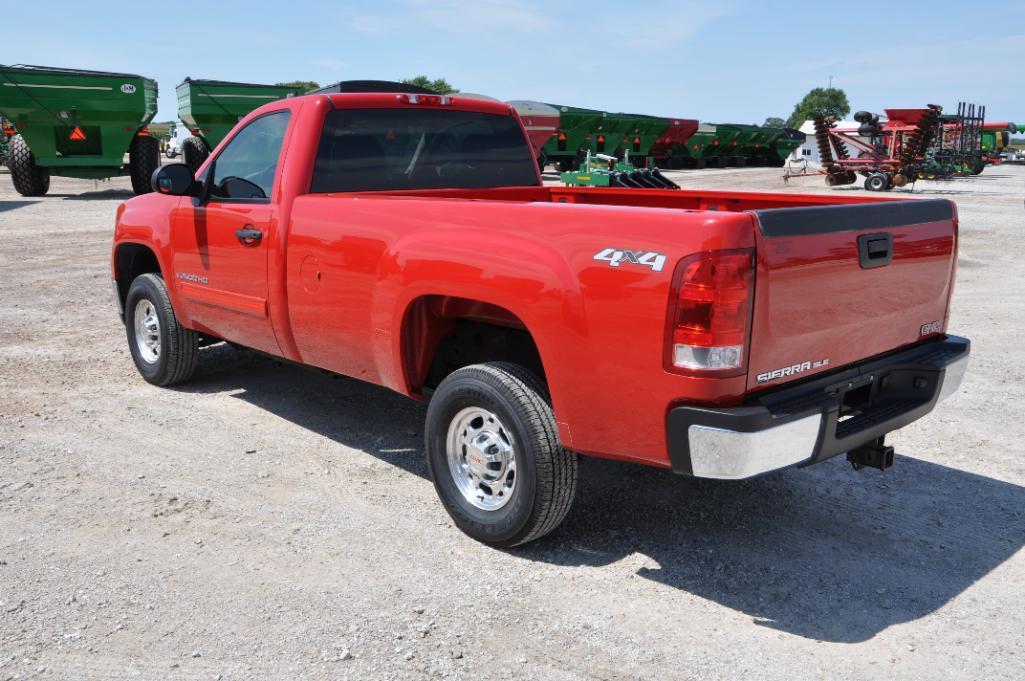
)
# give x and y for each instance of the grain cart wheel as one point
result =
(194, 152)
(877, 182)
(143, 159)
(165, 352)
(493, 452)
(29, 179)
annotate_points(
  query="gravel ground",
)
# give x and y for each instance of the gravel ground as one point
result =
(272, 522)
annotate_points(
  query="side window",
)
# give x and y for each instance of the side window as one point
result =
(246, 167)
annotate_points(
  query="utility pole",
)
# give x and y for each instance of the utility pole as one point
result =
(831, 82)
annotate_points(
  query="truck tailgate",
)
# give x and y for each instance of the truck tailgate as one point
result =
(837, 284)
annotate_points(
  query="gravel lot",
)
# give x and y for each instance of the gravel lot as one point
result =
(272, 522)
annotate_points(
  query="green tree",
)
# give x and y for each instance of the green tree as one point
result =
(774, 122)
(306, 85)
(439, 85)
(822, 101)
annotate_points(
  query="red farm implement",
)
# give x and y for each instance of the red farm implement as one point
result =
(910, 145)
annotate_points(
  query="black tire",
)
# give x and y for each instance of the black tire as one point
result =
(143, 159)
(29, 179)
(877, 182)
(178, 347)
(545, 473)
(194, 152)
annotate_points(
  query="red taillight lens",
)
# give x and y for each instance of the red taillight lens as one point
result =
(710, 312)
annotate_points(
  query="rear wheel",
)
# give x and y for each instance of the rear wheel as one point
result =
(194, 152)
(164, 351)
(29, 179)
(143, 159)
(494, 454)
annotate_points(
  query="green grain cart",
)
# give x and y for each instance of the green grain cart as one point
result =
(696, 153)
(211, 108)
(75, 123)
(573, 138)
(786, 143)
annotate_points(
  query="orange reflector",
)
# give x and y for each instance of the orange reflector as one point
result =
(77, 135)
(637, 140)
(562, 137)
(601, 138)
(143, 133)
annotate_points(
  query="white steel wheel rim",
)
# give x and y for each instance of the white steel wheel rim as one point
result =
(481, 456)
(147, 331)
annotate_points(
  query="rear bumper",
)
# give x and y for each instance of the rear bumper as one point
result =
(819, 418)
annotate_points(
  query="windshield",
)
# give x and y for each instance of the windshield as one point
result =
(389, 149)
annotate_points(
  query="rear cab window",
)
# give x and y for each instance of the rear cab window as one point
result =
(397, 149)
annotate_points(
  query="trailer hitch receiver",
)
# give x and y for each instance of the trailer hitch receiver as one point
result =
(875, 454)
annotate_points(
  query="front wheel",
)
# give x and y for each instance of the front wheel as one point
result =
(494, 455)
(164, 351)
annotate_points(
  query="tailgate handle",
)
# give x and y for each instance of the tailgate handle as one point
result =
(875, 250)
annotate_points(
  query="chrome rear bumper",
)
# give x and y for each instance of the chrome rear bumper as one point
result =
(828, 415)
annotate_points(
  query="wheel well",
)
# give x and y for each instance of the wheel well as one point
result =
(443, 333)
(131, 261)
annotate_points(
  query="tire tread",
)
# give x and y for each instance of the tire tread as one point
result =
(182, 352)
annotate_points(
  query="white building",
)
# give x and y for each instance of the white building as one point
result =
(809, 151)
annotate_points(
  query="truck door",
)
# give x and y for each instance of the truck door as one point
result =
(220, 245)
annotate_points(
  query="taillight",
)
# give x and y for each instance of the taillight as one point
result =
(710, 312)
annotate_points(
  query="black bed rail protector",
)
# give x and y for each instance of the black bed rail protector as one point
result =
(852, 218)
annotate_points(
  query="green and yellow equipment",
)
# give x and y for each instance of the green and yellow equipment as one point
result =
(604, 170)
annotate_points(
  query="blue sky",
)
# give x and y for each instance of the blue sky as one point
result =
(715, 60)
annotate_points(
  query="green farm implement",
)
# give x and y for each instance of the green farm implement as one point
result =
(75, 123)
(211, 108)
(603, 170)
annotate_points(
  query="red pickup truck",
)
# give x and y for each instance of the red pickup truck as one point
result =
(407, 240)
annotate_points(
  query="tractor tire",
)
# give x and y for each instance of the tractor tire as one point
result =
(29, 179)
(194, 152)
(977, 167)
(877, 182)
(143, 160)
(493, 452)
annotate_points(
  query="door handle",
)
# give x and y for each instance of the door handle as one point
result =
(249, 236)
(875, 250)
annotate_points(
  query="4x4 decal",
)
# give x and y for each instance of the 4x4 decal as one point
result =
(616, 257)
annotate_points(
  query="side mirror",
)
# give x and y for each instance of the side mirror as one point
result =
(174, 179)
